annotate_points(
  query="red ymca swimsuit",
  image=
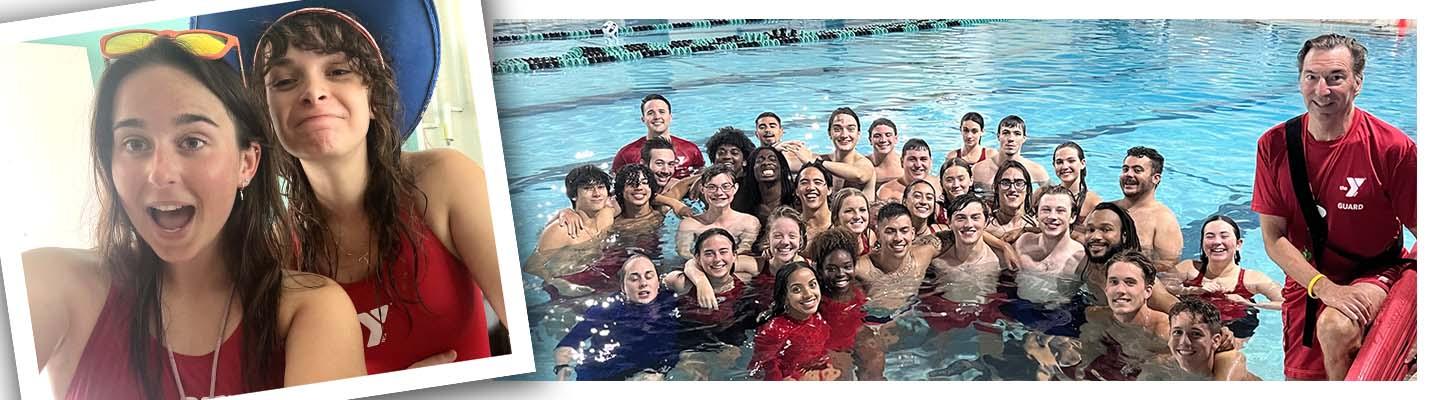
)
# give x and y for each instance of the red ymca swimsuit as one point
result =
(1229, 309)
(1366, 182)
(844, 318)
(786, 348)
(105, 371)
(452, 317)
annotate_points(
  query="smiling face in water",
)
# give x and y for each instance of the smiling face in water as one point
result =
(176, 162)
(844, 132)
(955, 181)
(854, 214)
(768, 131)
(838, 267)
(1125, 287)
(1191, 341)
(921, 200)
(1220, 242)
(802, 294)
(767, 165)
(784, 239)
(717, 256)
(882, 139)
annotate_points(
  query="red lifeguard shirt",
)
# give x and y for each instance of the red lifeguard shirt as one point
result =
(1365, 181)
(688, 156)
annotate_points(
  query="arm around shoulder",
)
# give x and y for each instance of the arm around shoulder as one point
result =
(323, 341)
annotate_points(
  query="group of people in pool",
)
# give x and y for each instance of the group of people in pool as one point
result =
(819, 254)
(822, 278)
(263, 230)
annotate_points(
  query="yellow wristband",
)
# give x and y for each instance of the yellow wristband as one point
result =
(1310, 288)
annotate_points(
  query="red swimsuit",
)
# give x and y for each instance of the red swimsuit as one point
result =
(786, 348)
(105, 371)
(399, 333)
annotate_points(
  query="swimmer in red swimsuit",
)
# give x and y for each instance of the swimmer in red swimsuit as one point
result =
(791, 345)
(843, 304)
(1217, 277)
(972, 130)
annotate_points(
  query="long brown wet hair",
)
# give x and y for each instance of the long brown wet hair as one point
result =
(254, 242)
(392, 201)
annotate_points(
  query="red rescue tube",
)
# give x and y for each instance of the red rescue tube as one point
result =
(1383, 355)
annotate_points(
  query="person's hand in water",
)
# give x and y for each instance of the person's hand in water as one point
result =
(444, 357)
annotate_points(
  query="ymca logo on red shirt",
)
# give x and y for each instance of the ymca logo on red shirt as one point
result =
(1353, 187)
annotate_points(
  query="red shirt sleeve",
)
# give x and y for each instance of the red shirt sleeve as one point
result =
(765, 362)
(1401, 184)
(1267, 197)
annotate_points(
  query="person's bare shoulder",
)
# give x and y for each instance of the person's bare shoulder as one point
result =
(68, 272)
(303, 291)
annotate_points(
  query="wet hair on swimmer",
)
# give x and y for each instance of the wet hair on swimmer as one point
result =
(915, 144)
(632, 175)
(959, 203)
(782, 285)
(1157, 161)
(1199, 309)
(829, 179)
(654, 144)
(653, 96)
(1012, 121)
(827, 243)
(1057, 190)
(1138, 259)
(838, 112)
(974, 116)
(1205, 260)
(786, 212)
(582, 176)
(957, 162)
(1129, 237)
(700, 239)
(891, 210)
(768, 114)
(708, 174)
(879, 122)
(838, 199)
(1029, 189)
(1080, 155)
(729, 136)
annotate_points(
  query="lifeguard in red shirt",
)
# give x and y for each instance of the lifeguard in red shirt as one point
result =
(1361, 173)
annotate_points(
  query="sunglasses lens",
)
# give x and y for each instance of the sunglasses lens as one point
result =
(128, 43)
(203, 44)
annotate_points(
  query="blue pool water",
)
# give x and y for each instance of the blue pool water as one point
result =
(1200, 92)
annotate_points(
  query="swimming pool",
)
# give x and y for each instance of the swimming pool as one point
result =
(1200, 92)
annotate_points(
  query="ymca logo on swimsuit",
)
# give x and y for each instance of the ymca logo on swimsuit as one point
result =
(1354, 186)
(374, 323)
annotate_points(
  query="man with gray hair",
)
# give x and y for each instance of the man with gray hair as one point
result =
(1334, 188)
